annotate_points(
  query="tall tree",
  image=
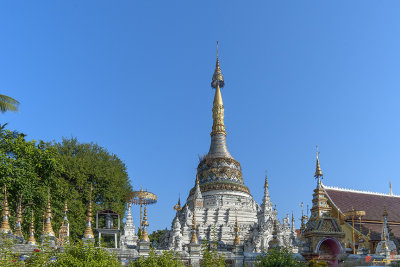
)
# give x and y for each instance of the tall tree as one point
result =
(85, 163)
(28, 168)
(8, 104)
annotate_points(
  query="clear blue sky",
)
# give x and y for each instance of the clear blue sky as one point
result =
(134, 76)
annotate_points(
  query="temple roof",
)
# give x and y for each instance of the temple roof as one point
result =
(370, 202)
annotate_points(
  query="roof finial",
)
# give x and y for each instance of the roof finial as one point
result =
(390, 187)
(318, 172)
(266, 180)
(177, 206)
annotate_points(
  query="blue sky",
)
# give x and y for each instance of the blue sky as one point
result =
(134, 76)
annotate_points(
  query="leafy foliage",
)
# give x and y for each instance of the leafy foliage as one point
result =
(29, 168)
(72, 256)
(314, 263)
(168, 258)
(89, 163)
(8, 104)
(86, 255)
(156, 235)
(278, 257)
(211, 258)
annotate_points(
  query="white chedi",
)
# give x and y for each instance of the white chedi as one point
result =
(129, 238)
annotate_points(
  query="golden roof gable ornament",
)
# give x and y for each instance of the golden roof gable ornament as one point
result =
(5, 214)
(318, 171)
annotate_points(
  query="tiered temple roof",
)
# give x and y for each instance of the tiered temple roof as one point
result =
(372, 203)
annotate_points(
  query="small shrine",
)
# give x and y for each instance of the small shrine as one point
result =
(108, 228)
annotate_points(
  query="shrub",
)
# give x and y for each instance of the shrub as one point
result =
(278, 257)
(168, 258)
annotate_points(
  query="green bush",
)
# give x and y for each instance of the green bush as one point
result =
(278, 257)
(75, 255)
(211, 258)
(168, 258)
(86, 255)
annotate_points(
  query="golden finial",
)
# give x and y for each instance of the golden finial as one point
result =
(48, 228)
(292, 219)
(145, 224)
(32, 240)
(218, 105)
(236, 229)
(5, 225)
(390, 187)
(88, 231)
(65, 207)
(266, 180)
(177, 206)
(18, 222)
(197, 179)
(318, 171)
(218, 78)
(385, 213)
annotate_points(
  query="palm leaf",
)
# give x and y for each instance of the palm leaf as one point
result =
(8, 104)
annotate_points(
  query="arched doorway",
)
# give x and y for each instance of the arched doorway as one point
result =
(329, 249)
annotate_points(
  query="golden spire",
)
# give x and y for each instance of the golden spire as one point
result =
(218, 105)
(31, 240)
(266, 180)
(65, 207)
(18, 222)
(194, 239)
(236, 229)
(48, 229)
(218, 78)
(318, 171)
(390, 187)
(88, 231)
(292, 219)
(5, 225)
(145, 224)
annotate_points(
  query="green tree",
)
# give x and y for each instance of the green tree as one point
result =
(85, 163)
(156, 235)
(168, 258)
(29, 168)
(278, 257)
(8, 104)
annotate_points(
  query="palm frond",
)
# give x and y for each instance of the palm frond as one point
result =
(8, 104)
